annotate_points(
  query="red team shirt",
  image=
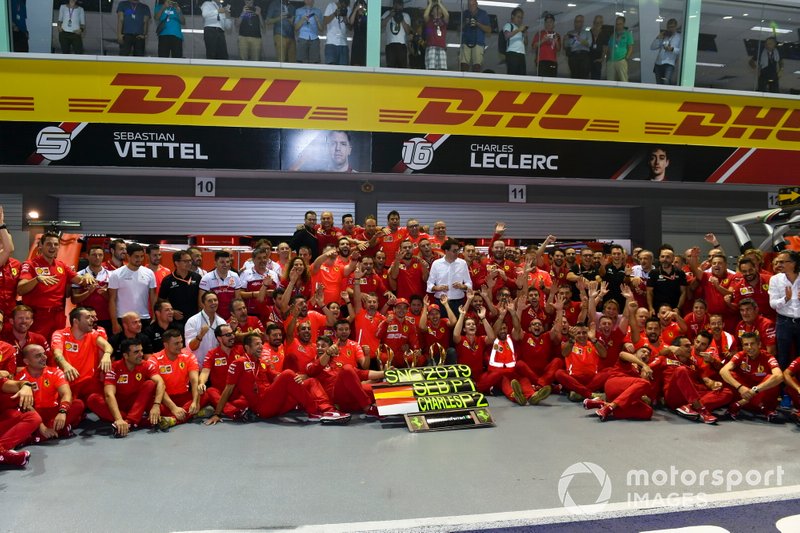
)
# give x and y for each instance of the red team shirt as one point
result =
(8, 358)
(129, 382)
(366, 329)
(472, 354)
(409, 279)
(175, 373)
(753, 371)
(83, 354)
(45, 388)
(217, 363)
(760, 293)
(9, 277)
(582, 360)
(46, 296)
(299, 355)
(762, 325)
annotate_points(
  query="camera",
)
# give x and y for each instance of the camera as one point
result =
(343, 5)
(473, 21)
(398, 17)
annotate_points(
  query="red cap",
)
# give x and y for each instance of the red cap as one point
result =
(434, 307)
(401, 301)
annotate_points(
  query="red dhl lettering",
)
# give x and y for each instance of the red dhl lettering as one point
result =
(753, 122)
(451, 106)
(153, 94)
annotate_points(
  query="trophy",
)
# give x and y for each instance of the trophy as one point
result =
(385, 349)
(432, 351)
(411, 358)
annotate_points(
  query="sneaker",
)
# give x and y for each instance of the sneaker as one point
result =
(773, 417)
(12, 458)
(518, 396)
(732, 413)
(593, 403)
(335, 417)
(646, 399)
(687, 411)
(372, 412)
(706, 417)
(66, 432)
(575, 397)
(599, 395)
(248, 416)
(167, 422)
(556, 389)
(604, 413)
(539, 395)
(206, 412)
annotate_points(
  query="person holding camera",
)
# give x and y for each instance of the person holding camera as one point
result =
(358, 22)
(516, 36)
(399, 24)
(71, 25)
(577, 46)
(436, 18)
(547, 45)
(335, 19)
(280, 14)
(169, 29)
(475, 26)
(307, 25)
(216, 19)
(249, 23)
(668, 44)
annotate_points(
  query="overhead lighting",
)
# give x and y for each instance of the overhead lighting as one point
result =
(715, 65)
(620, 14)
(660, 19)
(33, 214)
(745, 14)
(493, 3)
(636, 59)
(727, 17)
(572, 5)
(770, 30)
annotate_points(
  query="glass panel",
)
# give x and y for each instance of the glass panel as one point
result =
(747, 46)
(661, 32)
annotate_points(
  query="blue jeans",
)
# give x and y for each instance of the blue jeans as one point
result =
(336, 55)
(664, 74)
(787, 337)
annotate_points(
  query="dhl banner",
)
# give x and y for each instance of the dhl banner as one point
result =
(169, 94)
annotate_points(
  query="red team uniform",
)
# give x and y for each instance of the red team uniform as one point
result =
(46, 397)
(396, 333)
(751, 372)
(176, 378)
(217, 362)
(47, 301)
(84, 355)
(135, 392)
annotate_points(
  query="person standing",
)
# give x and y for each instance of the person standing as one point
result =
(769, 63)
(358, 21)
(516, 36)
(399, 23)
(547, 45)
(133, 21)
(436, 19)
(216, 19)
(307, 26)
(280, 14)
(71, 26)
(597, 47)
(784, 298)
(170, 20)
(250, 23)
(475, 26)
(131, 288)
(335, 20)
(578, 42)
(668, 44)
(619, 51)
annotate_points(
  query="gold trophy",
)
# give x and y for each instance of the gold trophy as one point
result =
(411, 358)
(441, 351)
(385, 349)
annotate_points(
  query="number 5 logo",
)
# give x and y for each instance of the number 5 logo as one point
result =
(53, 143)
(417, 153)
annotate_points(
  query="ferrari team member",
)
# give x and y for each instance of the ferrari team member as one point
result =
(223, 282)
(793, 387)
(626, 388)
(77, 349)
(686, 390)
(241, 322)
(435, 332)
(258, 284)
(179, 370)
(52, 395)
(43, 284)
(366, 318)
(754, 321)
(20, 334)
(132, 389)
(399, 334)
(350, 352)
(343, 382)
(582, 353)
(215, 369)
(95, 295)
(408, 274)
(470, 346)
(9, 271)
(756, 377)
(538, 346)
(300, 351)
(18, 420)
(270, 393)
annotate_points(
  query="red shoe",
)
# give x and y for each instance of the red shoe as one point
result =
(733, 412)
(335, 417)
(16, 459)
(706, 417)
(593, 403)
(687, 411)
(605, 412)
(372, 412)
(556, 389)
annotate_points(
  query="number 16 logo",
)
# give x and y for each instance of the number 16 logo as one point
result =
(417, 153)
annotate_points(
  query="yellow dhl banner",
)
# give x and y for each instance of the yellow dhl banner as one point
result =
(61, 90)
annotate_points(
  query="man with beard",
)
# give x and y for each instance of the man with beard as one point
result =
(392, 236)
(131, 329)
(215, 369)
(96, 295)
(537, 346)
(154, 263)
(503, 271)
(715, 285)
(118, 252)
(368, 237)
(223, 282)
(20, 334)
(306, 235)
(131, 388)
(179, 369)
(76, 350)
(330, 270)
(584, 269)
(582, 353)
(400, 335)
(242, 323)
(257, 284)
(408, 274)
(752, 321)
(300, 351)
(163, 321)
(368, 281)
(756, 377)
(200, 327)
(615, 273)
(131, 288)
(751, 285)
(477, 268)
(181, 288)
(666, 284)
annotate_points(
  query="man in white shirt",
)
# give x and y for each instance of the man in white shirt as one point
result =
(131, 288)
(399, 24)
(784, 298)
(335, 19)
(449, 275)
(199, 331)
(222, 281)
(216, 19)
